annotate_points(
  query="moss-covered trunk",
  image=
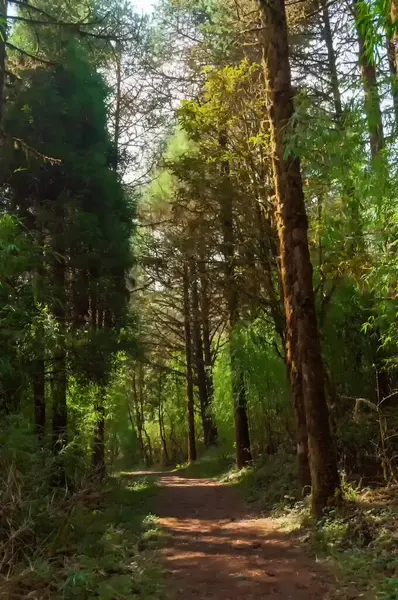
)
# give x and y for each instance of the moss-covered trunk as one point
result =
(303, 344)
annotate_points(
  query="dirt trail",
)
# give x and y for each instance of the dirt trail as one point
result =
(219, 551)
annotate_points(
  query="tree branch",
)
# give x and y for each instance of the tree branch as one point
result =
(29, 150)
(32, 56)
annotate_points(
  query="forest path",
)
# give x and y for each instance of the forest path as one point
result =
(220, 550)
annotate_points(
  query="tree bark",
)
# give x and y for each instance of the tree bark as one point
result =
(162, 431)
(207, 354)
(371, 91)
(303, 343)
(59, 379)
(99, 439)
(3, 55)
(148, 447)
(332, 63)
(138, 421)
(138, 401)
(39, 397)
(205, 401)
(243, 448)
(189, 371)
(99, 319)
(38, 375)
(293, 370)
(118, 61)
(392, 54)
(392, 64)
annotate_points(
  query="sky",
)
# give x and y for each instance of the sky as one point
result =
(143, 5)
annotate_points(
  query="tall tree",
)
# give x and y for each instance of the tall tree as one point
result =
(370, 87)
(243, 450)
(295, 258)
(85, 220)
(209, 428)
(3, 38)
(189, 370)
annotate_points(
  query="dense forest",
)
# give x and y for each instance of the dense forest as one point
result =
(198, 250)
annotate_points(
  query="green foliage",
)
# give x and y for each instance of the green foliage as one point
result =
(223, 404)
(214, 464)
(266, 384)
(68, 542)
(21, 315)
(66, 225)
(82, 195)
(272, 482)
(361, 541)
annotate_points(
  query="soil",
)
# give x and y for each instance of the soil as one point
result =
(220, 549)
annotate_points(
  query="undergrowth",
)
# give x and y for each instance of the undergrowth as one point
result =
(212, 465)
(89, 542)
(359, 540)
(271, 483)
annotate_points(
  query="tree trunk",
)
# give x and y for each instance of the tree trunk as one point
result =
(59, 379)
(293, 370)
(118, 61)
(354, 237)
(296, 382)
(189, 372)
(392, 64)
(375, 125)
(243, 449)
(332, 64)
(3, 56)
(138, 422)
(59, 385)
(99, 439)
(371, 91)
(148, 447)
(296, 265)
(392, 54)
(205, 401)
(145, 449)
(161, 422)
(99, 319)
(39, 397)
(268, 254)
(207, 354)
(38, 375)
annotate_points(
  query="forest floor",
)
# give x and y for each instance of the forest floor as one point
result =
(206, 531)
(221, 549)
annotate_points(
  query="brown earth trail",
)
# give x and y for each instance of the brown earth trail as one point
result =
(219, 550)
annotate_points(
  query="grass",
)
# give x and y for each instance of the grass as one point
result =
(213, 465)
(103, 549)
(360, 541)
(271, 484)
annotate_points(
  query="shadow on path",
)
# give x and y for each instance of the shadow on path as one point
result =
(221, 551)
